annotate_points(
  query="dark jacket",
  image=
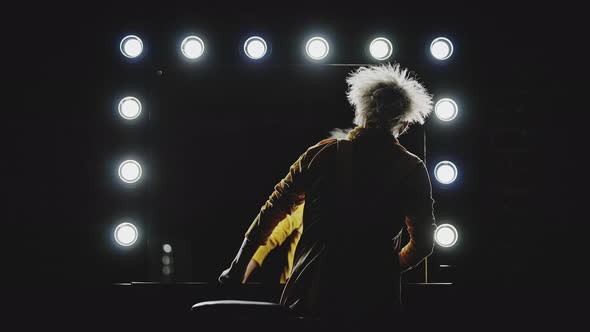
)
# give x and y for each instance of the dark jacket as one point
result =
(358, 193)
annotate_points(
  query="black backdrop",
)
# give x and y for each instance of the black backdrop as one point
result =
(216, 135)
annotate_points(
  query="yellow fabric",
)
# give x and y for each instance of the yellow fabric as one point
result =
(289, 228)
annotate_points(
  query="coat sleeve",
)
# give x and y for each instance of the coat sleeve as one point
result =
(288, 194)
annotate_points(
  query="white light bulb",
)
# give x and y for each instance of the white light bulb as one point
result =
(255, 47)
(446, 235)
(192, 47)
(129, 108)
(126, 234)
(441, 48)
(446, 109)
(445, 172)
(131, 46)
(381, 48)
(317, 48)
(130, 171)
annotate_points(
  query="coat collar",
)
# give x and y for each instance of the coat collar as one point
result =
(370, 133)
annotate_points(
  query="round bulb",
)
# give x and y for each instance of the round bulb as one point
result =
(130, 171)
(129, 108)
(131, 46)
(192, 47)
(381, 48)
(126, 234)
(446, 235)
(445, 172)
(446, 109)
(167, 248)
(255, 47)
(317, 48)
(441, 48)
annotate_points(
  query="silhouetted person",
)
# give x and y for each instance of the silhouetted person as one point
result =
(359, 192)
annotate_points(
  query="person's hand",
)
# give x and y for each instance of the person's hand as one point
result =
(226, 279)
(235, 273)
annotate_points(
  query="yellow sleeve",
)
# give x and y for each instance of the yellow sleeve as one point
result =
(297, 231)
(281, 232)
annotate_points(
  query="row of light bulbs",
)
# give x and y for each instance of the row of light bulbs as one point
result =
(126, 234)
(130, 171)
(316, 48)
(445, 109)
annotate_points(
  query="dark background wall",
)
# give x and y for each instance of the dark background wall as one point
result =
(218, 134)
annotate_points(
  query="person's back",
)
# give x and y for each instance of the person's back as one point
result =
(358, 193)
(346, 261)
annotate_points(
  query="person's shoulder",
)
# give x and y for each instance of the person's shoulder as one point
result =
(318, 150)
(326, 142)
(408, 156)
(322, 144)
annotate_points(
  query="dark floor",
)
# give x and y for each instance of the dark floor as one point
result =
(166, 307)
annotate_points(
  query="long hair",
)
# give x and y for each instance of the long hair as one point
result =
(387, 96)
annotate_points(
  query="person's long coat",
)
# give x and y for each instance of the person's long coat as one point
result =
(358, 193)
